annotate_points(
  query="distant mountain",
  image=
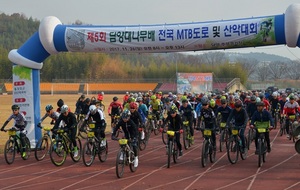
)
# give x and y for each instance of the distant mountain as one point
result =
(232, 57)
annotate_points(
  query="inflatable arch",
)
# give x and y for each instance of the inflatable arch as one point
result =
(53, 37)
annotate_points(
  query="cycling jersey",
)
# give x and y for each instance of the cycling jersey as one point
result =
(54, 115)
(155, 105)
(20, 120)
(115, 108)
(290, 109)
(224, 112)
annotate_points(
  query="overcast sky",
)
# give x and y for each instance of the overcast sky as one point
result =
(115, 12)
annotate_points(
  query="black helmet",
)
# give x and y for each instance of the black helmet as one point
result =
(126, 114)
(115, 98)
(48, 107)
(82, 96)
(60, 103)
(253, 98)
(167, 100)
(205, 100)
(261, 96)
(15, 107)
(261, 103)
(87, 100)
(238, 104)
(223, 101)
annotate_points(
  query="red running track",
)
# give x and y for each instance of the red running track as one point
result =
(280, 171)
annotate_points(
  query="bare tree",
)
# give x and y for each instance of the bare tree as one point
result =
(277, 70)
(262, 72)
(293, 70)
(213, 58)
(249, 65)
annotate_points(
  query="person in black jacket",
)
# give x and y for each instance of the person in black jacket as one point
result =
(240, 119)
(263, 119)
(130, 131)
(175, 125)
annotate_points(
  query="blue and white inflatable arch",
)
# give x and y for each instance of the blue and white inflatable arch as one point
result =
(53, 37)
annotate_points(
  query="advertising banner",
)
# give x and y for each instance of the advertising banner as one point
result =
(23, 96)
(194, 82)
(172, 37)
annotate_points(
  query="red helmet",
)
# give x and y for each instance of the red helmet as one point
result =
(133, 105)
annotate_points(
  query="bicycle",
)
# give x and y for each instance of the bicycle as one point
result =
(224, 136)
(282, 125)
(250, 136)
(164, 135)
(208, 148)
(261, 145)
(142, 139)
(116, 121)
(152, 124)
(13, 145)
(291, 129)
(172, 149)
(43, 145)
(61, 146)
(82, 126)
(187, 137)
(234, 147)
(125, 156)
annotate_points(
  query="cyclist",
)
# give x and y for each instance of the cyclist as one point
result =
(213, 106)
(266, 102)
(130, 131)
(86, 106)
(224, 110)
(49, 113)
(274, 101)
(98, 117)
(136, 117)
(167, 106)
(125, 98)
(79, 104)
(100, 96)
(262, 117)
(114, 108)
(290, 108)
(175, 124)
(20, 124)
(60, 103)
(155, 106)
(209, 118)
(69, 119)
(187, 113)
(142, 107)
(240, 119)
(251, 108)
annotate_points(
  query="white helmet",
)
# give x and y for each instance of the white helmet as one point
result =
(64, 108)
(93, 109)
(274, 94)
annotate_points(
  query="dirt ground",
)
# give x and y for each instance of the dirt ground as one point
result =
(70, 100)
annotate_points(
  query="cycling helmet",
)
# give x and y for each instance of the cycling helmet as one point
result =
(102, 93)
(48, 108)
(64, 109)
(93, 109)
(258, 99)
(223, 97)
(167, 100)
(174, 97)
(184, 101)
(60, 103)
(274, 94)
(292, 97)
(173, 109)
(183, 98)
(15, 107)
(115, 98)
(82, 96)
(223, 101)
(238, 104)
(253, 98)
(153, 97)
(260, 103)
(139, 99)
(133, 105)
(87, 100)
(212, 103)
(126, 114)
(261, 96)
(204, 101)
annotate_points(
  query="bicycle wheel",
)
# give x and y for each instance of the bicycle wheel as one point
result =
(27, 149)
(42, 148)
(297, 146)
(10, 151)
(222, 140)
(260, 152)
(164, 137)
(204, 156)
(82, 129)
(142, 143)
(131, 164)
(212, 154)
(175, 152)
(79, 147)
(275, 120)
(58, 153)
(170, 148)
(156, 129)
(249, 138)
(120, 162)
(102, 153)
(185, 138)
(245, 154)
(232, 150)
(264, 151)
(88, 153)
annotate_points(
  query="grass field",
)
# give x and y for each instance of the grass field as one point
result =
(70, 100)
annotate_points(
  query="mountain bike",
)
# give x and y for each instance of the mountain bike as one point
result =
(143, 137)
(187, 137)
(250, 136)
(82, 126)
(172, 149)
(208, 148)
(234, 146)
(152, 124)
(292, 118)
(94, 145)
(224, 136)
(42, 147)
(61, 146)
(262, 146)
(282, 125)
(125, 156)
(164, 135)
(116, 121)
(13, 145)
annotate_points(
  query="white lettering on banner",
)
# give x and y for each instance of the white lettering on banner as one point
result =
(172, 37)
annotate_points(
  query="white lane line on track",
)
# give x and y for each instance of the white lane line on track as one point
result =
(20, 167)
(292, 186)
(246, 178)
(160, 168)
(203, 173)
(258, 170)
(87, 178)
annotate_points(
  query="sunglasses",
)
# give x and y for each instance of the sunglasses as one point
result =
(204, 104)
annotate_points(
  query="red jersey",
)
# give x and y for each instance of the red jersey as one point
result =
(114, 106)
